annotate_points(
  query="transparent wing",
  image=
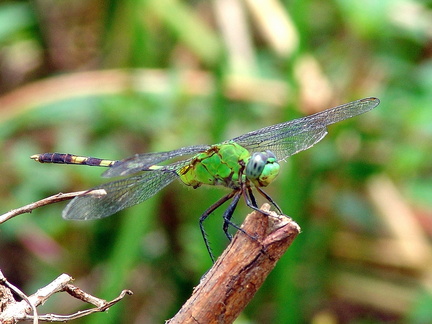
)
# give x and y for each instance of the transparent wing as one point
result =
(142, 162)
(291, 137)
(111, 197)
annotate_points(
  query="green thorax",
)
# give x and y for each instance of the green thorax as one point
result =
(220, 165)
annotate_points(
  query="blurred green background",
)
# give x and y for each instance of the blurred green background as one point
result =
(114, 78)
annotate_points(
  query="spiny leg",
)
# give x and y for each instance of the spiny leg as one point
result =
(204, 216)
(270, 200)
(251, 196)
(228, 214)
(250, 199)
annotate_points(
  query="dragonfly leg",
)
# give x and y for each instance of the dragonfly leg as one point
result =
(251, 196)
(228, 214)
(251, 202)
(270, 200)
(206, 214)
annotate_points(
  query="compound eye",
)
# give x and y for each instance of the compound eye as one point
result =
(262, 168)
(255, 166)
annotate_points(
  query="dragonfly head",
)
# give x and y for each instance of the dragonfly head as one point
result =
(262, 168)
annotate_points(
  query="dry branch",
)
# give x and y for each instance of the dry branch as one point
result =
(240, 271)
(14, 311)
(43, 202)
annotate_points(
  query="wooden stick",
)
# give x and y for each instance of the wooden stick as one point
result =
(240, 271)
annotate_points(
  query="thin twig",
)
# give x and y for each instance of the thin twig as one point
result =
(46, 201)
(240, 271)
(104, 306)
(18, 311)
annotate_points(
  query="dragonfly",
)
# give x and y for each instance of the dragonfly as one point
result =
(242, 164)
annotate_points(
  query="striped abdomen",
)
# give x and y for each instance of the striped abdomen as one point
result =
(64, 158)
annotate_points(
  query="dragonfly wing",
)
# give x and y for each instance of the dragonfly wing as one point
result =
(285, 147)
(142, 162)
(291, 137)
(109, 198)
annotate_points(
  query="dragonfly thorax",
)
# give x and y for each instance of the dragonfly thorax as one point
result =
(262, 168)
(221, 164)
(229, 165)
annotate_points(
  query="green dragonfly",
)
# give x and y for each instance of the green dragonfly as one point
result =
(246, 162)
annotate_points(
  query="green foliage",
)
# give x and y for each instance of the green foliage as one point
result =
(111, 79)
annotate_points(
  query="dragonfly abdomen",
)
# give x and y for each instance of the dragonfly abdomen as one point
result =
(64, 158)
